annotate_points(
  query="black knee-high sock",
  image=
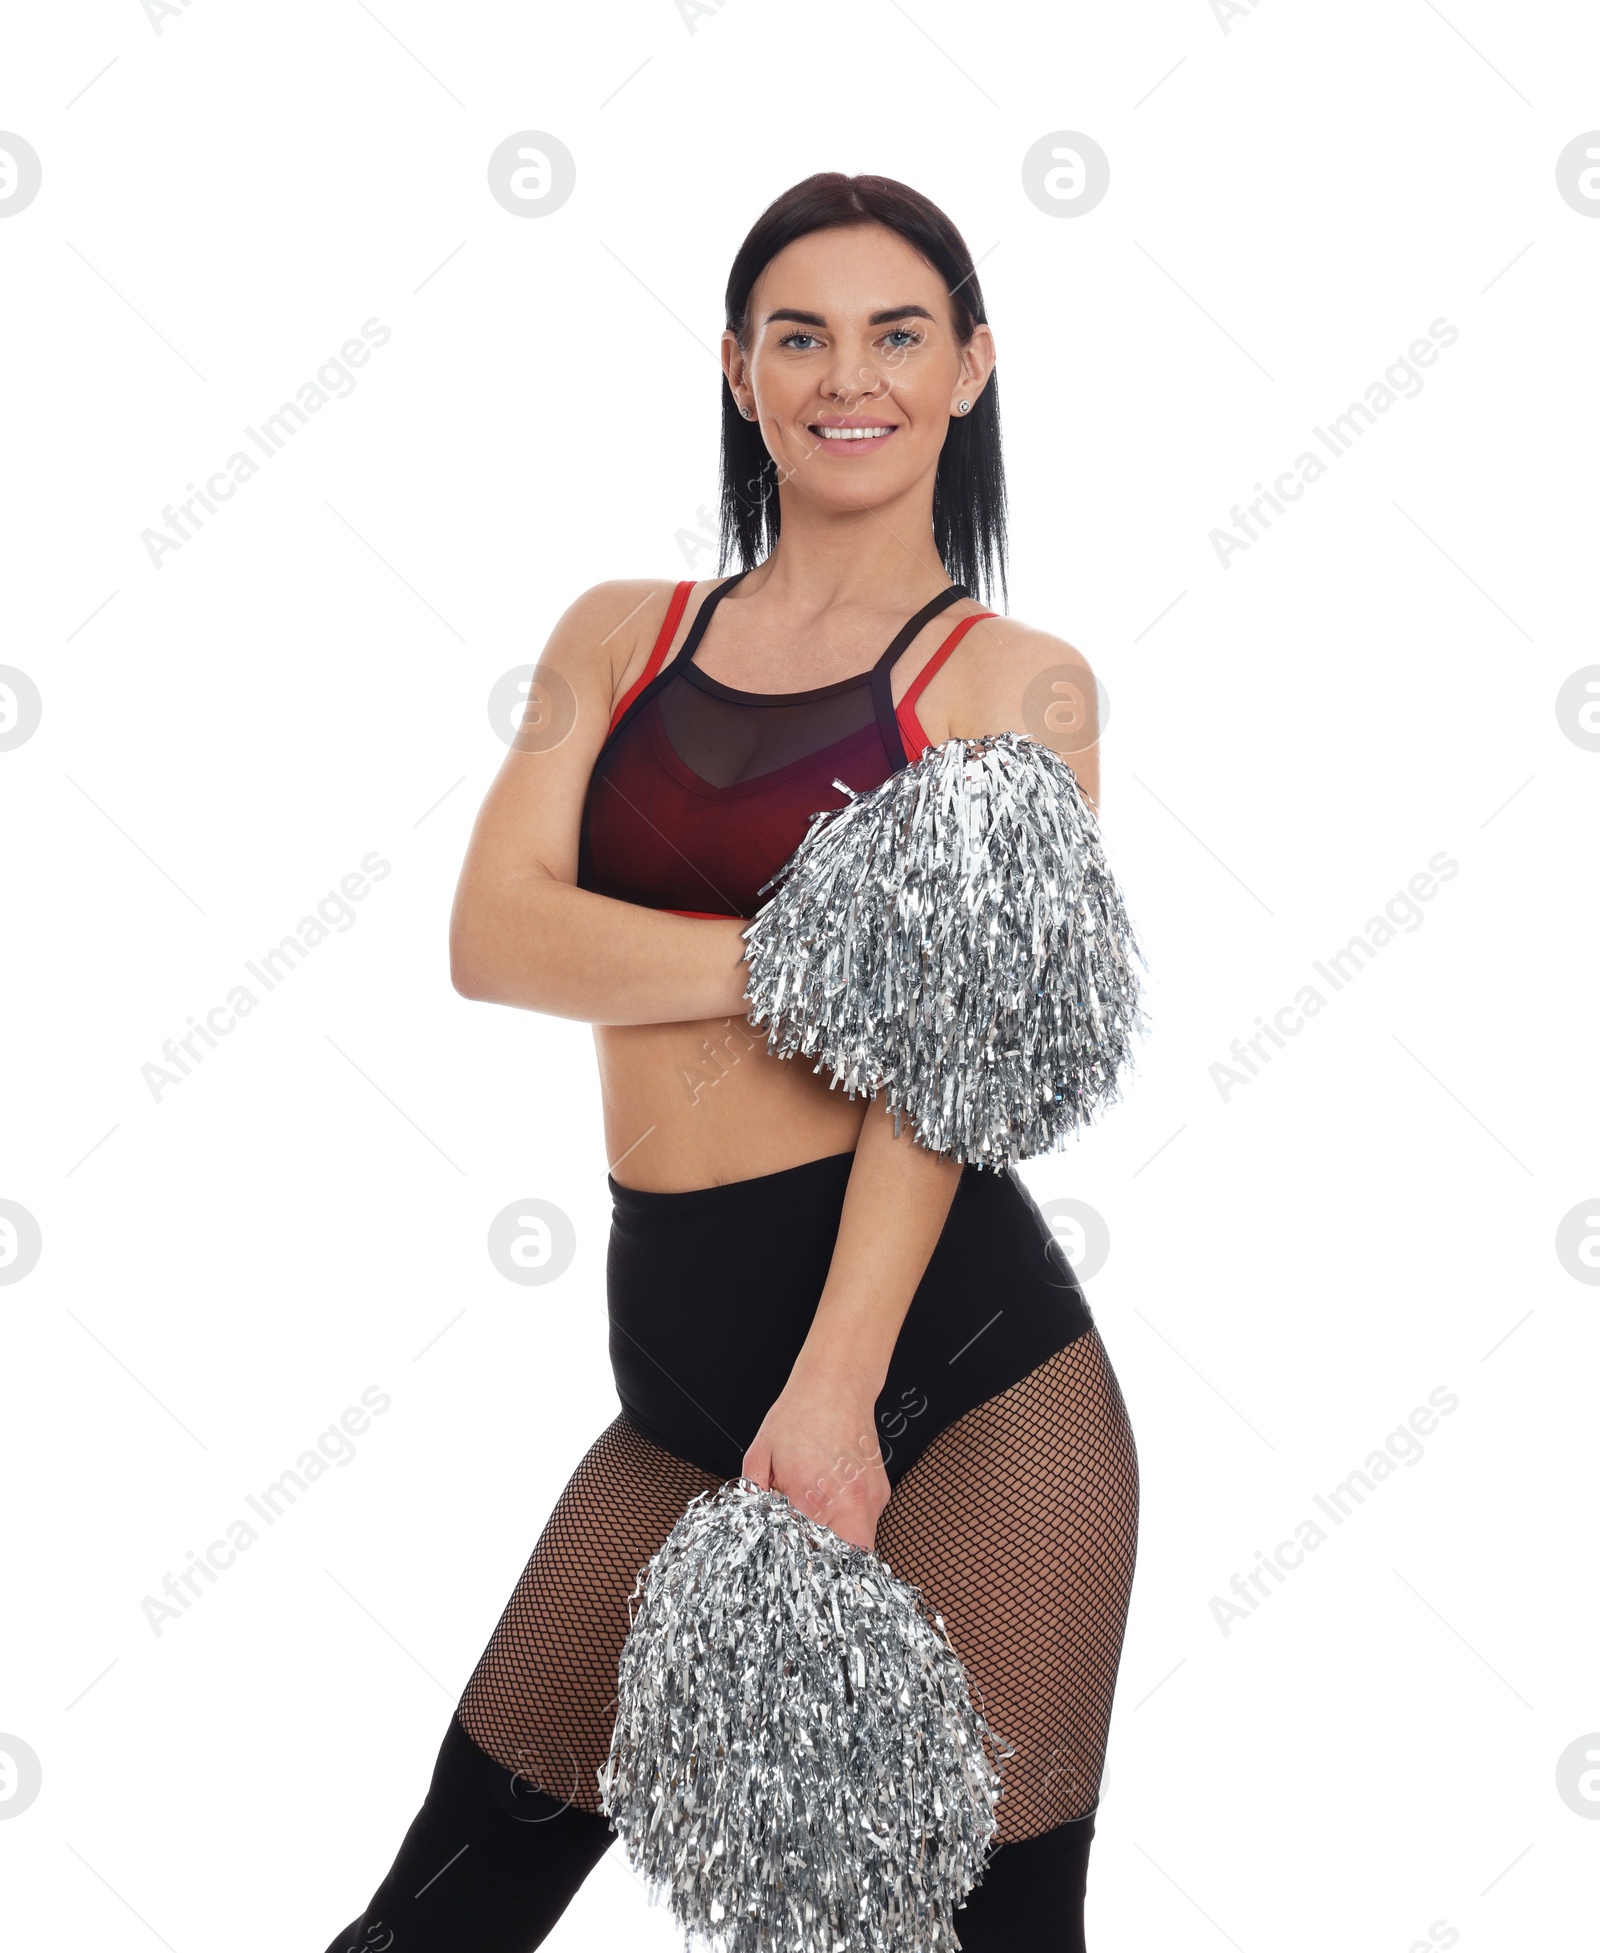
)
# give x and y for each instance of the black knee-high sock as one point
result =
(1031, 1898)
(488, 1866)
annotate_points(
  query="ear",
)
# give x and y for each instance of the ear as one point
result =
(735, 368)
(977, 363)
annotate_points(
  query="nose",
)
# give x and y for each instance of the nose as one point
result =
(852, 381)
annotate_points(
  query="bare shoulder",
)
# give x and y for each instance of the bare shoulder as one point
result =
(601, 642)
(1008, 676)
(1018, 678)
(607, 623)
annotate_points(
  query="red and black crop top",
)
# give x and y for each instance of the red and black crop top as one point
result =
(701, 793)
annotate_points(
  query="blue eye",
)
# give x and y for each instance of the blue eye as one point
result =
(789, 338)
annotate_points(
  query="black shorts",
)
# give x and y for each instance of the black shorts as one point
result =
(711, 1293)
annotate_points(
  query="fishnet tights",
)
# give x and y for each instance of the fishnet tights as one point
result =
(1018, 1523)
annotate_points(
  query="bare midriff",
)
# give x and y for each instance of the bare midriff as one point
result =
(703, 1104)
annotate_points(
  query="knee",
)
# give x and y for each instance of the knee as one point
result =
(1032, 1894)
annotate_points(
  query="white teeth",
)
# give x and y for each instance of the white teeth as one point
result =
(853, 433)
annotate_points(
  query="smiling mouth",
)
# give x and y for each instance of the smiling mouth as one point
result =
(850, 433)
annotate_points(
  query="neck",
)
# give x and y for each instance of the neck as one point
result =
(878, 557)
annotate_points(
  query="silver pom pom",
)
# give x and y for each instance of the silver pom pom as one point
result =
(796, 1758)
(955, 939)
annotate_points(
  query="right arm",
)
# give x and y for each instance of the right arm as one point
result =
(521, 931)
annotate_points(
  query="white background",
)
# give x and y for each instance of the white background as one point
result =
(1291, 737)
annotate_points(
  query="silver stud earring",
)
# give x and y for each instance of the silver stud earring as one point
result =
(962, 406)
(747, 413)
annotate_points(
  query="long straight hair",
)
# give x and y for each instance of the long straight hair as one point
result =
(969, 490)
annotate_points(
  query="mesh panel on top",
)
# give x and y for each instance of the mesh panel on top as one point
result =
(728, 737)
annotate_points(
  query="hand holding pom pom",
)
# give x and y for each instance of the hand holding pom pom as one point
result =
(818, 1444)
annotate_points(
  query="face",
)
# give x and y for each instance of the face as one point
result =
(853, 366)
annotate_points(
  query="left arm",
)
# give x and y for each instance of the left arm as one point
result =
(819, 1442)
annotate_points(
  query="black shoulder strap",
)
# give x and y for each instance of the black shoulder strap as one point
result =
(686, 651)
(882, 693)
(702, 617)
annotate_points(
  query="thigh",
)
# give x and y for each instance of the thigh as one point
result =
(1019, 1524)
(542, 1699)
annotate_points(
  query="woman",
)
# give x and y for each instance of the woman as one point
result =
(891, 1339)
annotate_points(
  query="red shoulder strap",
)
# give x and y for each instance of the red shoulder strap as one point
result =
(912, 737)
(680, 597)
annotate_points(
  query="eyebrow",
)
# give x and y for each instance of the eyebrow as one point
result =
(877, 318)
